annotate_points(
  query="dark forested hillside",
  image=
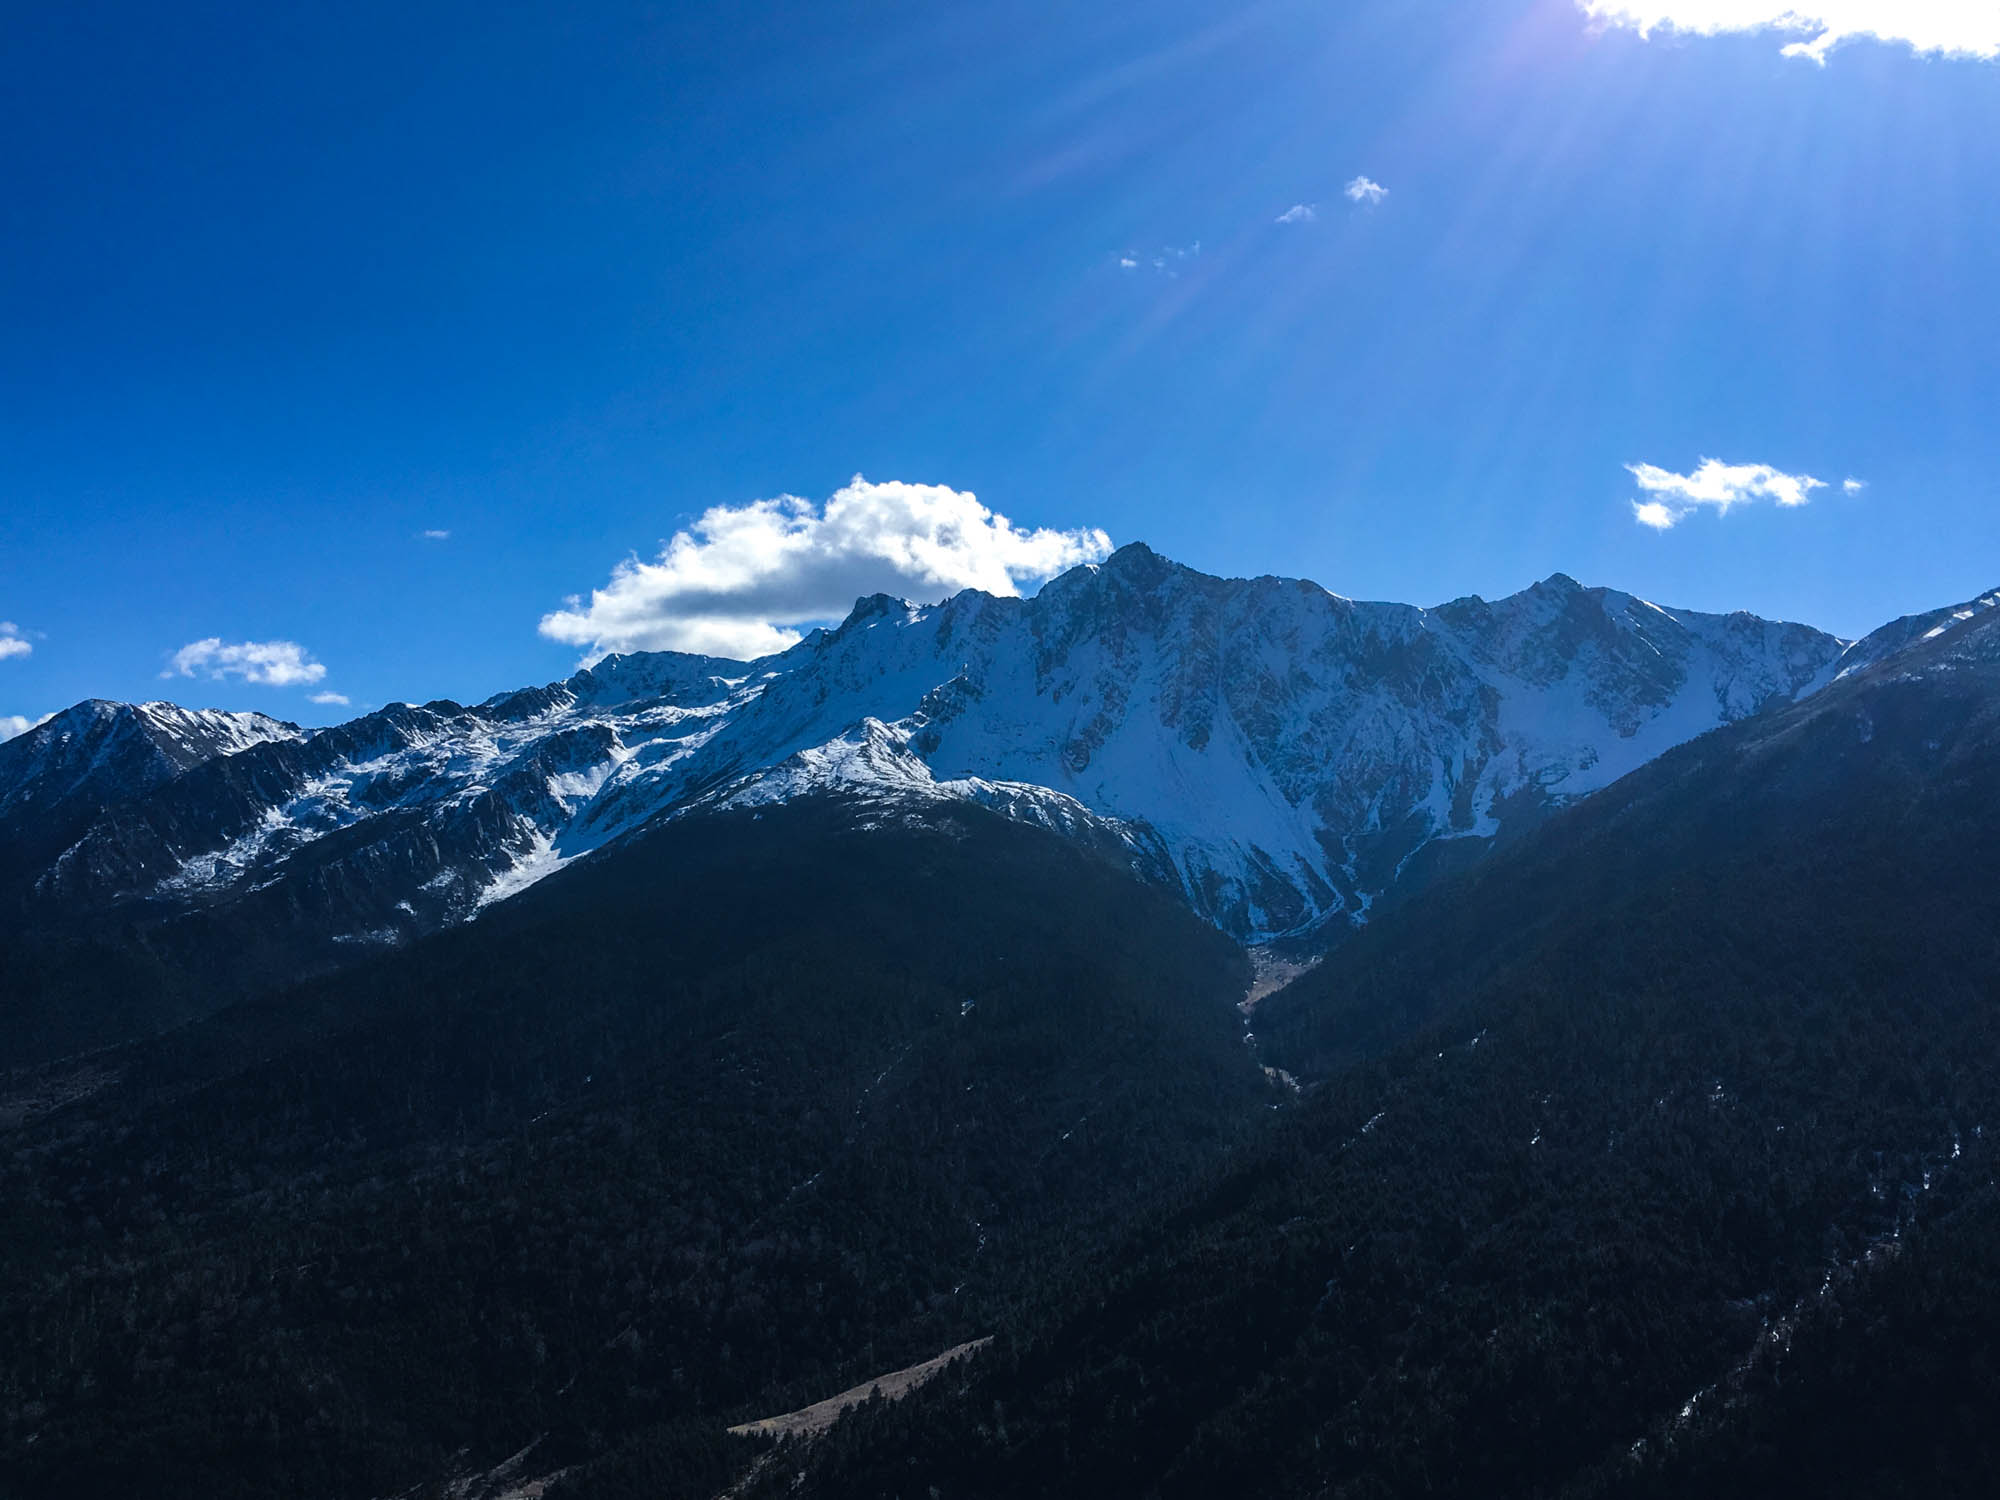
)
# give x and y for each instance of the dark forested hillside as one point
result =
(1656, 1157)
(758, 1103)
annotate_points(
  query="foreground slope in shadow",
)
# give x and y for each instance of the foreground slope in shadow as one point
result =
(746, 1112)
(1657, 1156)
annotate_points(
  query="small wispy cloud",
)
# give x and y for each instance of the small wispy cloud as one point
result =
(1671, 498)
(1365, 191)
(1168, 260)
(1960, 28)
(13, 725)
(1298, 213)
(1854, 486)
(435, 536)
(337, 699)
(12, 642)
(268, 663)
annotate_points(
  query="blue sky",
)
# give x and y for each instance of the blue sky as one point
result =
(285, 292)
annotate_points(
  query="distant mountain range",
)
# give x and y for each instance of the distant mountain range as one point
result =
(1281, 756)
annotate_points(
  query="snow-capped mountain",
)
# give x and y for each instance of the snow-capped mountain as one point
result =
(1275, 751)
(99, 750)
(97, 753)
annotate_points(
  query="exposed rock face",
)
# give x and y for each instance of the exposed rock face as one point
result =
(56, 777)
(1276, 751)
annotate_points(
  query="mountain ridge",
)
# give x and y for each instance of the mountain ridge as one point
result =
(1278, 753)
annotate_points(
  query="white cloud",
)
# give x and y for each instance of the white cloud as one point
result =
(743, 579)
(1365, 190)
(1854, 486)
(1966, 28)
(1298, 213)
(18, 724)
(1167, 261)
(435, 536)
(11, 643)
(336, 698)
(1675, 497)
(271, 663)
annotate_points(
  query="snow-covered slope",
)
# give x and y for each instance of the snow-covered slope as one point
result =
(1910, 630)
(1275, 751)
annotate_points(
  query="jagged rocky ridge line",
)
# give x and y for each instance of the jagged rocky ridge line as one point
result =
(1276, 752)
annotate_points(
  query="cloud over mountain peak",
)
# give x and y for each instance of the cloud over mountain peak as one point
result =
(743, 579)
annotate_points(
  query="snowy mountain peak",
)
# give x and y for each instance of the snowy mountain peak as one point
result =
(100, 748)
(1140, 565)
(872, 607)
(657, 675)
